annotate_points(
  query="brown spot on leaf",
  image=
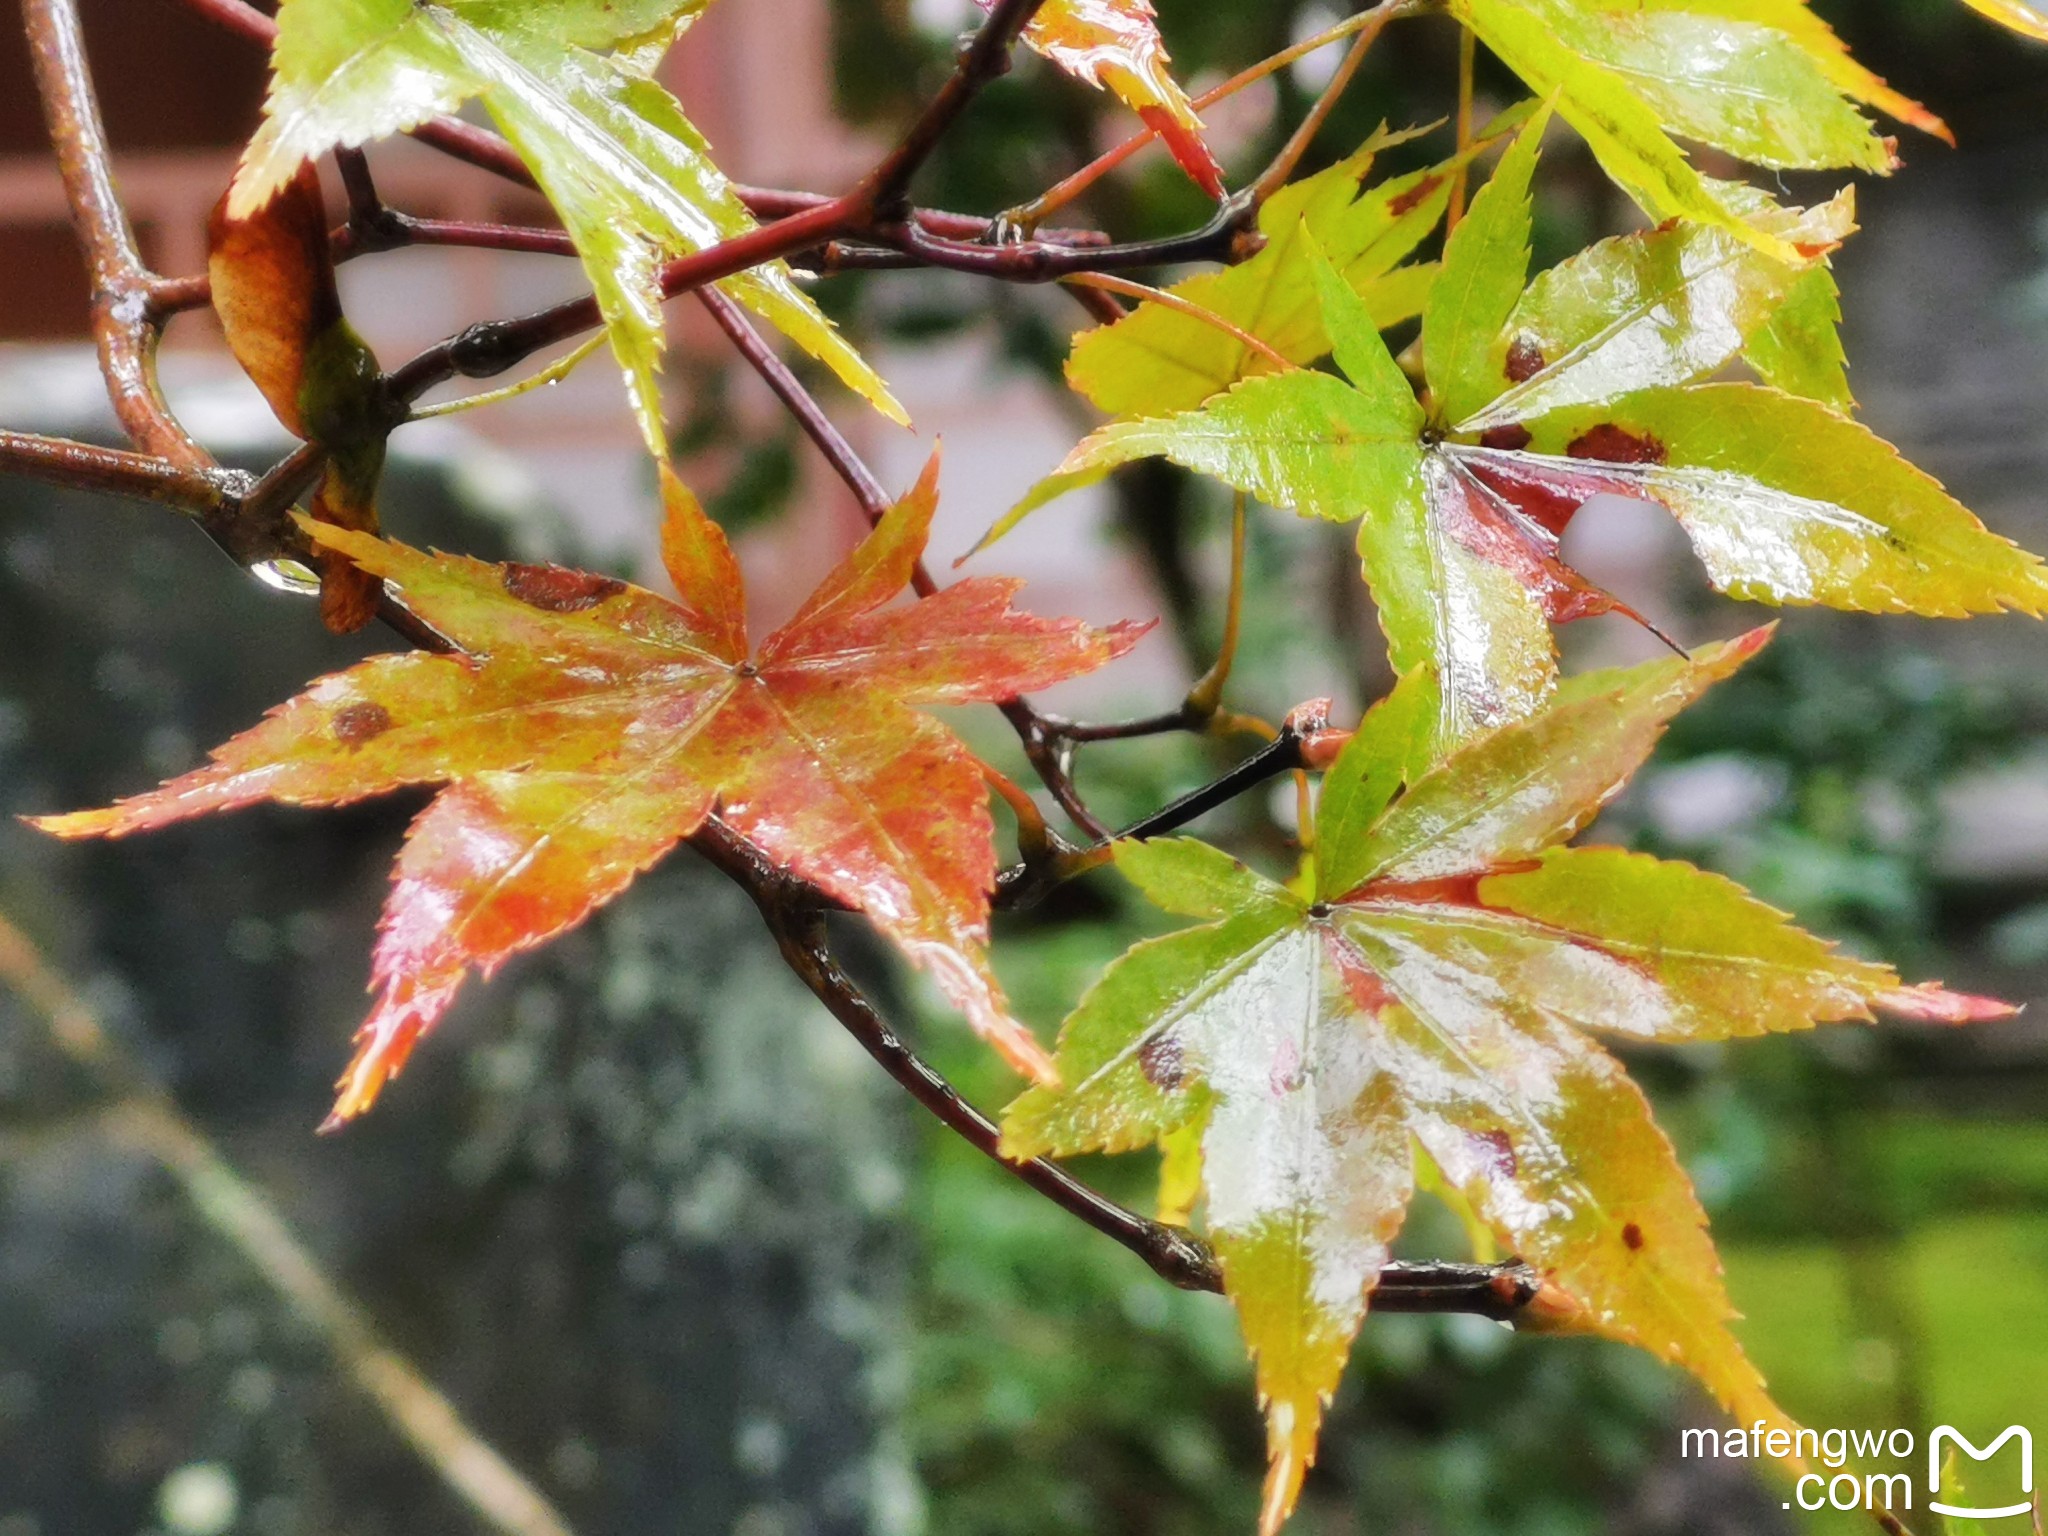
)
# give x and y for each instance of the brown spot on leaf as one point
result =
(1414, 195)
(558, 589)
(1512, 438)
(1633, 1236)
(1525, 360)
(1617, 445)
(1497, 1152)
(1164, 1062)
(358, 723)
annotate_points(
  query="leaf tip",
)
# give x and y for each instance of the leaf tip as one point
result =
(256, 183)
(1290, 1450)
(1125, 633)
(71, 825)
(1745, 646)
(1030, 1058)
(1932, 1003)
(1188, 147)
(1552, 1310)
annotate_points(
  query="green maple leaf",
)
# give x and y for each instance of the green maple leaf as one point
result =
(1763, 80)
(632, 181)
(1158, 359)
(2023, 16)
(1429, 983)
(1540, 398)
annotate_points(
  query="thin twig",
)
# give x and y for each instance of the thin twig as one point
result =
(803, 406)
(1174, 1253)
(985, 58)
(365, 208)
(1468, 44)
(1510, 1293)
(1166, 299)
(1280, 755)
(394, 230)
(1277, 174)
(123, 316)
(144, 1114)
(170, 296)
(1028, 216)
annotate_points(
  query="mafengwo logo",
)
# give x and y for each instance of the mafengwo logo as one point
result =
(1991, 1492)
(1944, 1436)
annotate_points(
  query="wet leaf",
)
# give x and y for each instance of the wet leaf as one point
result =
(1116, 43)
(272, 280)
(589, 725)
(1799, 349)
(1433, 991)
(1721, 72)
(631, 179)
(1156, 359)
(1785, 501)
(1661, 307)
(1581, 383)
(1485, 261)
(2023, 16)
(1829, 53)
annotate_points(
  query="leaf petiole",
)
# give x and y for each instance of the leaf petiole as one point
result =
(554, 373)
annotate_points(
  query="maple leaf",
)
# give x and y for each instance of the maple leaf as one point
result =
(2022, 16)
(1539, 398)
(1763, 80)
(271, 279)
(1116, 43)
(1158, 359)
(631, 179)
(1429, 983)
(590, 725)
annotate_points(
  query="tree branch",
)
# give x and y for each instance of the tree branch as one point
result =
(123, 314)
(987, 57)
(1510, 1293)
(205, 493)
(1174, 1253)
(490, 152)
(803, 406)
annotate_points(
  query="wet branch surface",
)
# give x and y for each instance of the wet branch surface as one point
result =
(872, 224)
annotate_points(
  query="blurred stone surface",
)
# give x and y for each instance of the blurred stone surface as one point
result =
(631, 1208)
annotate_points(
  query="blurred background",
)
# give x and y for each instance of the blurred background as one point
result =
(660, 1233)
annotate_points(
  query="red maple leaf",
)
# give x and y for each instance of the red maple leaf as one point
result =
(588, 725)
(1116, 43)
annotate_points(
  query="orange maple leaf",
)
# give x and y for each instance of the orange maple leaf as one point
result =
(588, 725)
